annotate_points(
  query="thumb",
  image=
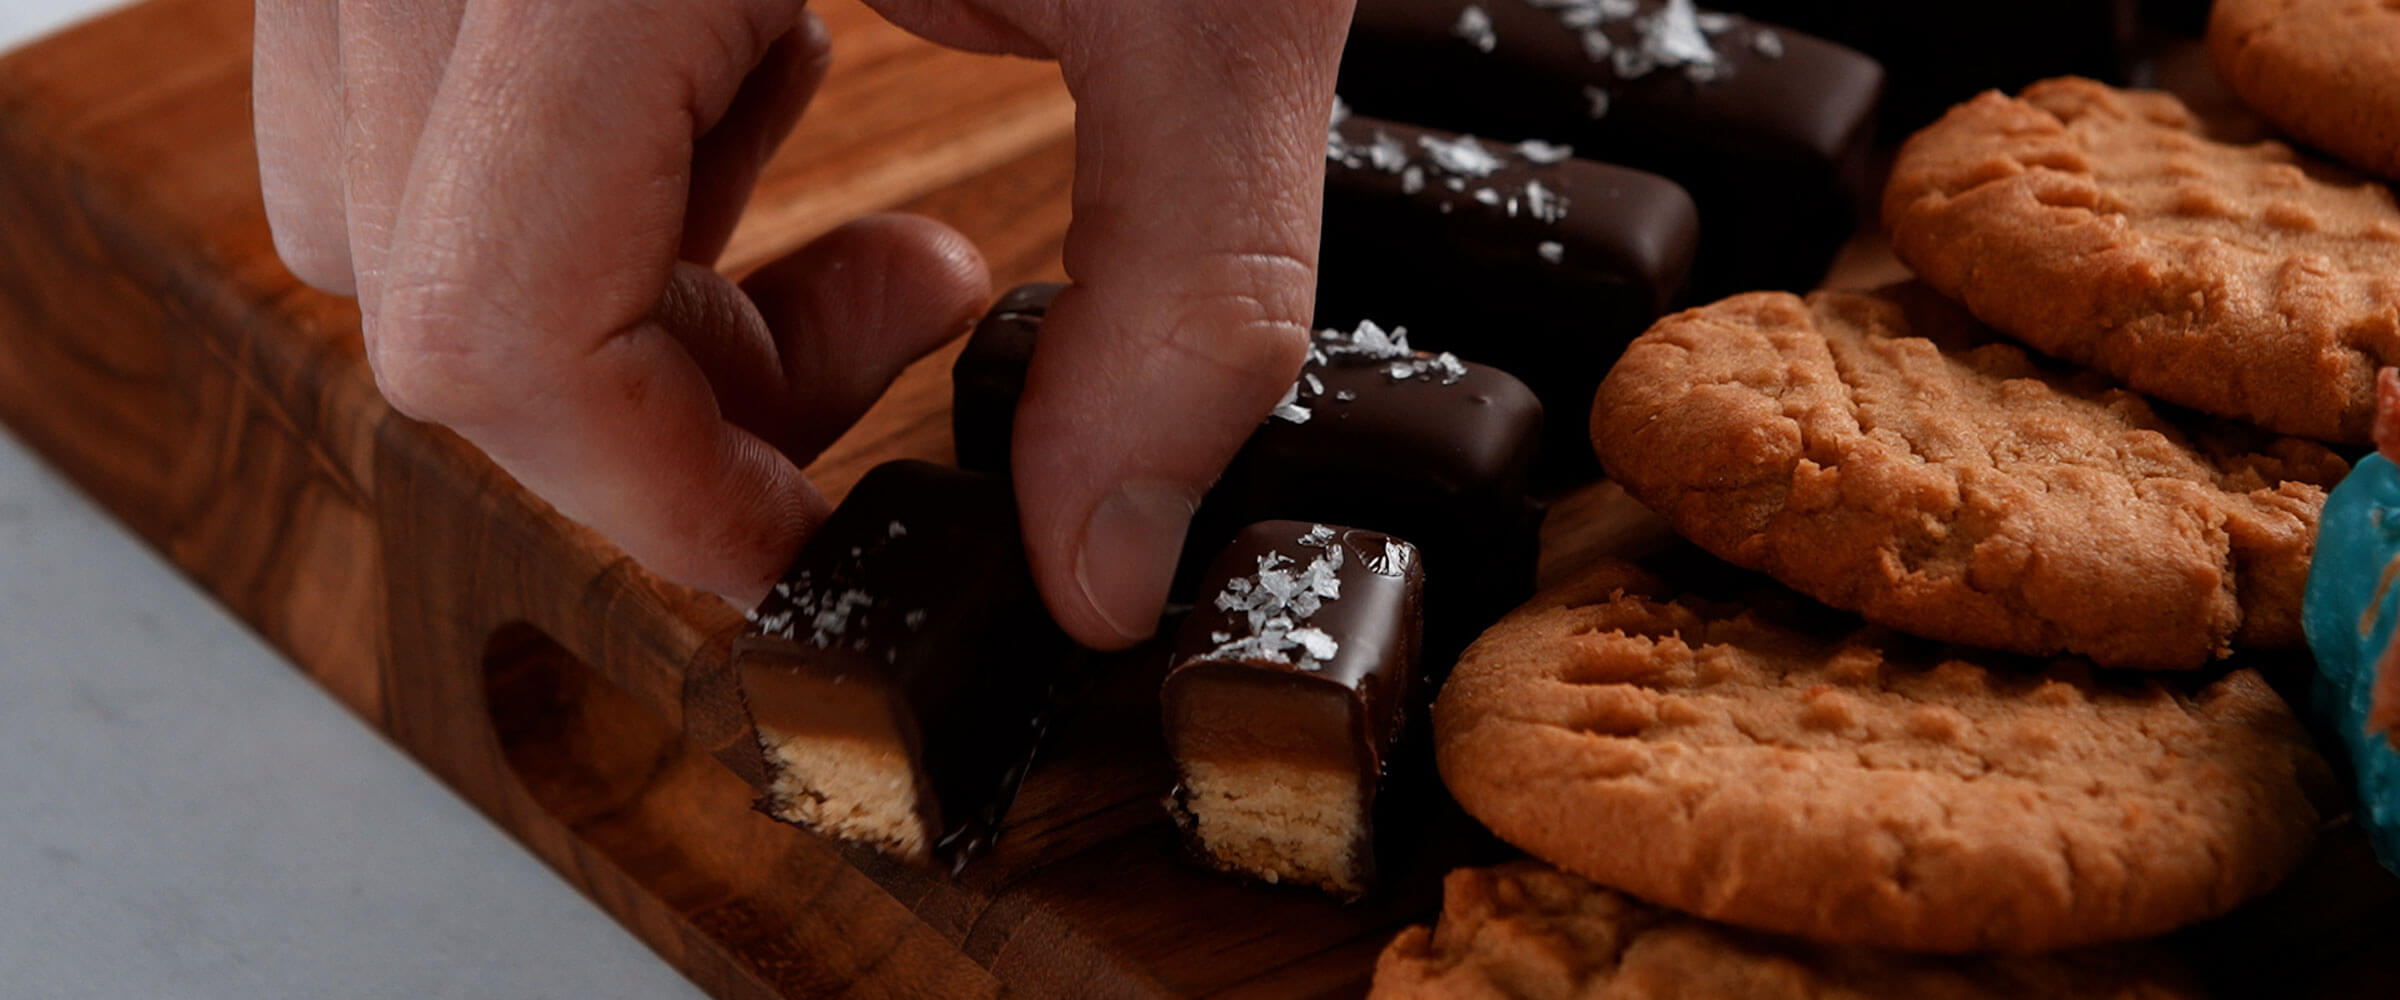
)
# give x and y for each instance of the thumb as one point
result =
(1198, 181)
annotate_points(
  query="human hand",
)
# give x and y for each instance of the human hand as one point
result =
(525, 196)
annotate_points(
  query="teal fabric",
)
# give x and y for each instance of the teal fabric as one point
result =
(2349, 618)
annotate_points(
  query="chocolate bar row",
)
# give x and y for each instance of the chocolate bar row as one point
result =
(1769, 130)
(1768, 124)
(902, 673)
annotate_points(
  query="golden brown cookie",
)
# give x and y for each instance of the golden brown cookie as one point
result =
(1526, 931)
(1751, 763)
(1865, 450)
(2326, 71)
(2098, 225)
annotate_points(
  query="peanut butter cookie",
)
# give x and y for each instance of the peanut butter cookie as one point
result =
(2098, 225)
(1526, 931)
(2326, 71)
(1756, 763)
(1884, 454)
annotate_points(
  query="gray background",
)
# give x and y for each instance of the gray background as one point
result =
(183, 814)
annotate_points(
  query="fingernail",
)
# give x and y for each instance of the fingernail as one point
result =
(1129, 551)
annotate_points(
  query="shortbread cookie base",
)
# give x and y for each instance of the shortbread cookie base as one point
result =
(848, 790)
(1280, 823)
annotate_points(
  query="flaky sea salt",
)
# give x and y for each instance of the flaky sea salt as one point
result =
(1475, 26)
(1370, 342)
(1367, 340)
(1673, 36)
(828, 615)
(1462, 156)
(1277, 602)
(1289, 408)
(1596, 46)
(1545, 204)
(1335, 148)
(1537, 151)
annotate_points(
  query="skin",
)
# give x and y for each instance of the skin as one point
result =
(529, 228)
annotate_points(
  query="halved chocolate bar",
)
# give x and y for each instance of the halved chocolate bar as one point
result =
(1290, 687)
(1768, 129)
(901, 674)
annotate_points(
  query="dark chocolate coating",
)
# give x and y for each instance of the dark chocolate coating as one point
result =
(989, 376)
(1773, 149)
(1376, 622)
(2188, 18)
(1442, 462)
(1469, 275)
(1939, 54)
(954, 626)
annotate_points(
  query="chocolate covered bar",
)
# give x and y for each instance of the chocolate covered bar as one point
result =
(1424, 446)
(1374, 433)
(1290, 687)
(901, 673)
(1768, 129)
(1523, 257)
(989, 376)
(1935, 55)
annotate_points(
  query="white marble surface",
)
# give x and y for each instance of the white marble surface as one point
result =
(23, 20)
(184, 815)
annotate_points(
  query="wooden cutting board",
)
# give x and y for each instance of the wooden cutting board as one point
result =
(153, 348)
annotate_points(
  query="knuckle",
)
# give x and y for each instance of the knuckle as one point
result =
(1246, 314)
(430, 369)
(318, 255)
(435, 388)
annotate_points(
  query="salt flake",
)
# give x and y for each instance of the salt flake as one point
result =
(1476, 27)
(1595, 101)
(1289, 408)
(1544, 153)
(1319, 645)
(1463, 156)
